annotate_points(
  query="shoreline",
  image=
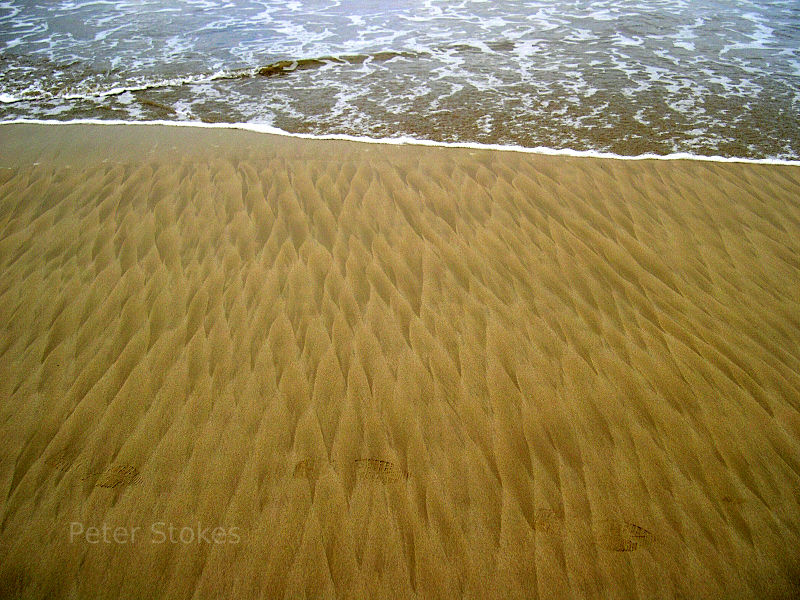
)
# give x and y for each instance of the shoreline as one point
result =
(408, 141)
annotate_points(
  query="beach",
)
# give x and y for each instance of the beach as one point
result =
(244, 365)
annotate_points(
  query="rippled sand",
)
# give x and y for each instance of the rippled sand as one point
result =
(383, 371)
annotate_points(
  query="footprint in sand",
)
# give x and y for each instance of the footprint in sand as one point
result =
(732, 500)
(380, 470)
(305, 469)
(118, 475)
(62, 463)
(111, 477)
(546, 521)
(621, 536)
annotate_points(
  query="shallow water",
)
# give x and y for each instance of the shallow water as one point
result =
(709, 78)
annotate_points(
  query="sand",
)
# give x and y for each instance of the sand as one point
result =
(236, 365)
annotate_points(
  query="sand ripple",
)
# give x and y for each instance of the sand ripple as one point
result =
(405, 372)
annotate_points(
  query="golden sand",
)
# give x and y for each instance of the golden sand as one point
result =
(377, 371)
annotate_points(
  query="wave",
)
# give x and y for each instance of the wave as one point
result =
(274, 69)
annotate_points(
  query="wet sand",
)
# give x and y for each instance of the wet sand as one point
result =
(243, 365)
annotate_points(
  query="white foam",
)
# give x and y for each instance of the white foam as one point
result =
(400, 141)
(35, 93)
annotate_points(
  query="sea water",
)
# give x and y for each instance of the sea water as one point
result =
(651, 76)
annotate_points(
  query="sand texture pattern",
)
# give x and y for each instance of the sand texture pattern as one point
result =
(395, 372)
